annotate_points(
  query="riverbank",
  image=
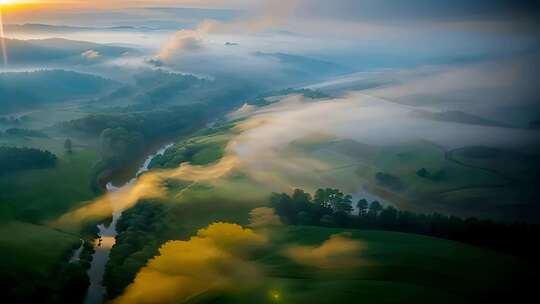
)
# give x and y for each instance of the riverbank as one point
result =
(107, 238)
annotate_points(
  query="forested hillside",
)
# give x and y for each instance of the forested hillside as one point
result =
(22, 91)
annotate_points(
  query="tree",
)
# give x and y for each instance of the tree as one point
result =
(301, 200)
(388, 217)
(321, 197)
(328, 221)
(68, 146)
(374, 209)
(15, 159)
(423, 173)
(333, 199)
(300, 196)
(282, 203)
(304, 218)
(362, 206)
(344, 207)
(375, 206)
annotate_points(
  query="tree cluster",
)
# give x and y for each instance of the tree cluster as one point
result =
(332, 208)
(26, 90)
(25, 133)
(16, 159)
(136, 243)
(328, 207)
(389, 181)
(67, 284)
(123, 137)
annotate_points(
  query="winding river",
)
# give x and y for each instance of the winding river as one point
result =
(107, 238)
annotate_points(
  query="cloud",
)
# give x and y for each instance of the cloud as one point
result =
(90, 54)
(492, 79)
(232, 237)
(355, 34)
(216, 258)
(338, 251)
(266, 147)
(147, 186)
(269, 145)
(419, 9)
(185, 42)
(264, 217)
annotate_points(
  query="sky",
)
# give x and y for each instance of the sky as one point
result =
(518, 11)
(360, 34)
(356, 34)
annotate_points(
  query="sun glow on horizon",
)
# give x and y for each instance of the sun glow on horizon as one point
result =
(3, 47)
(16, 3)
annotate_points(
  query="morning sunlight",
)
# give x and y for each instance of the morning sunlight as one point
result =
(263, 151)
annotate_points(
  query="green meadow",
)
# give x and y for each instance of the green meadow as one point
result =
(30, 199)
(414, 268)
(44, 194)
(470, 181)
(202, 148)
(396, 268)
(28, 248)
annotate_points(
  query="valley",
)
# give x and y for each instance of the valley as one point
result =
(310, 151)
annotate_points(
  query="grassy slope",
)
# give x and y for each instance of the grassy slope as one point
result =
(31, 248)
(413, 267)
(468, 186)
(406, 159)
(39, 195)
(229, 200)
(397, 268)
(203, 148)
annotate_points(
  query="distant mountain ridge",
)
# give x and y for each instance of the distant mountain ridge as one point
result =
(27, 90)
(301, 64)
(54, 49)
(52, 28)
(459, 117)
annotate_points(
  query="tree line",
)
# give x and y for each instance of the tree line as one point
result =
(332, 208)
(137, 241)
(16, 159)
(17, 132)
(123, 137)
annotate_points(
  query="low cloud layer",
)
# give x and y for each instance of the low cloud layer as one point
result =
(338, 252)
(264, 217)
(90, 54)
(147, 186)
(184, 42)
(216, 258)
(220, 258)
(268, 145)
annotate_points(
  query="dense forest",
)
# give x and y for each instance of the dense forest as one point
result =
(15, 159)
(262, 99)
(332, 208)
(17, 132)
(24, 90)
(67, 284)
(136, 243)
(167, 105)
(208, 149)
(124, 137)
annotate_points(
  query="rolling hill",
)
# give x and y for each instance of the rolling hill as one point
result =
(26, 90)
(57, 49)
